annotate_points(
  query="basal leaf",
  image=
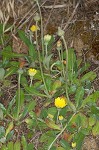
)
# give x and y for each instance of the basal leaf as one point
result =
(2, 73)
(51, 124)
(10, 71)
(24, 142)
(89, 76)
(91, 99)
(95, 129)
(92, 120)
(10, 146)
(34, 91)
(9, 128)
(17, 145)
(79, 96)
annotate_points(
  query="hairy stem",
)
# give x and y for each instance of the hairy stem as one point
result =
(61, 132)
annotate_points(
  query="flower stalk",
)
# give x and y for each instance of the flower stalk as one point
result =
(61, 132)
(20, 72)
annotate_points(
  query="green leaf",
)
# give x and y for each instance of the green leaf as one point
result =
(50, 44)
(91, 99)
(7, 53)
(51, 124)
(1, 114)
(60, 148)
(31, 105)
(92, 120)
(56, 84)
(79, 137)
(10, 71)
(52, 110)
(48, 81)
(46, 61)
(65, 144)
(2, 131)
(1, 28)
(24, 38)
(83, 68)
(11, 103)
(4, 147)
(80, 120)
(2, 107)
(72, 106)
(72, 89)
(17, 145)
(29, 121)
(32, 51)
(33, 91)
(24, 81)
(10, 135)
(44, 113)
(94, 109)
(9, 128)
(30, 146)
(79, 96)
(24, 142)
(10, 146)
(72, 66)
(95, 130)
(2, 73)
(47, 138)
(19, 102)
(21, 97)
(89, 76)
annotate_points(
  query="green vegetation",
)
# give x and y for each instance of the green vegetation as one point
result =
(62, 86)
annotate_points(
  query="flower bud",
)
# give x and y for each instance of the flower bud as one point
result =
(37, 17)
(60, 32)
(20, 71)
(59, 43)
(47, 38)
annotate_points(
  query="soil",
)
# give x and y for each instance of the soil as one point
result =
(80, 21)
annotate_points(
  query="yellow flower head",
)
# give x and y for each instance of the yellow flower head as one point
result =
(73, 144)
(32, 72)
(60, 102)
(61, 118)
(34, 28)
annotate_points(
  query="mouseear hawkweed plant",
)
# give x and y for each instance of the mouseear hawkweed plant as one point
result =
(54, 96)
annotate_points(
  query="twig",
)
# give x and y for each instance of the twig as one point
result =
(49, 15)
(55, 6)
(69, 20)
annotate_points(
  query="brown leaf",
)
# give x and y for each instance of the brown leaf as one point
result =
(37, 111)
(66, 136)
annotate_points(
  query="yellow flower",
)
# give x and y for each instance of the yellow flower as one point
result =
(60, 102)
(32, 72)
(50, 116)
(61, 118)
(34, 28)
(73, 144)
